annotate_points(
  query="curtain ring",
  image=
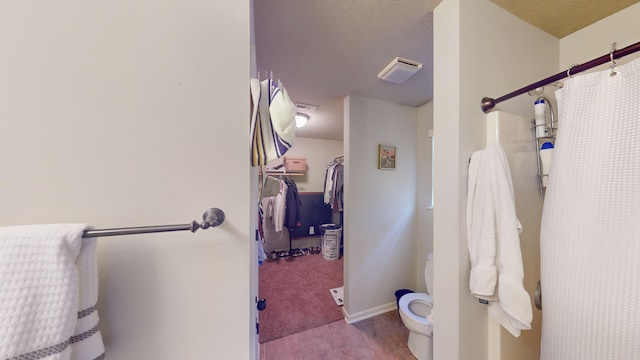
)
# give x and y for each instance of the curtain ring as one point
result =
(613, 62)
(569, 70)
(611, 56)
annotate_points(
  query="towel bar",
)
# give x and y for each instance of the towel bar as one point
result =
(211, 218)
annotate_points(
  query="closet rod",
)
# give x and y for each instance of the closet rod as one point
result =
(211, 218)
(487, 104)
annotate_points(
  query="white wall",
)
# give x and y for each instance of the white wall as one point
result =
(514, 133)
(319, 153)
(595, 40)
(113, 115)
(380, 216)
(424, 239)
(447, 197)
(480, 50)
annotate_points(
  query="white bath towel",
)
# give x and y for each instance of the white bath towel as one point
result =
(493, 233)
(48, 293)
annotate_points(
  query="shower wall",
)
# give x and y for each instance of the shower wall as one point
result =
(479, 50)
(514, 133)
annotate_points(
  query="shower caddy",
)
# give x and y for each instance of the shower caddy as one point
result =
(487, 104)
(551, 126)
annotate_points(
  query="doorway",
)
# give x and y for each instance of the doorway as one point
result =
(301, 284)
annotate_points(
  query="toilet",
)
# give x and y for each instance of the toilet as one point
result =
(414, 309)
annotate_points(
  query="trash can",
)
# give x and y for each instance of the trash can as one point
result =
(399, 294)
(331, 234)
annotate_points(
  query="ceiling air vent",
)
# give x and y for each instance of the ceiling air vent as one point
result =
(399, 70)
(306, 107)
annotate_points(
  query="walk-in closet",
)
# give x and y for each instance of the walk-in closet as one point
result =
(300, 239)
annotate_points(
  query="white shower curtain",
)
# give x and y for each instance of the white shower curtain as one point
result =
(590, 235)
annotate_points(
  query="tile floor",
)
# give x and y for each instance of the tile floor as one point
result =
(380, 337)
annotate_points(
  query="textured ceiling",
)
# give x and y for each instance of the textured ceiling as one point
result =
(324, 50)
(562, 17)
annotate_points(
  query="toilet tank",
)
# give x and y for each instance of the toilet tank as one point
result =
(428, 274)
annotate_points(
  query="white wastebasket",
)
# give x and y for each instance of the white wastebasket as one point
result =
(331, 235)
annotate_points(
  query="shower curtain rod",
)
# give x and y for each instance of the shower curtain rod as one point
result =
(211, 218)
(487, 104)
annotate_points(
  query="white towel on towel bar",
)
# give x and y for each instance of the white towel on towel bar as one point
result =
(493, 234)
(48, 293)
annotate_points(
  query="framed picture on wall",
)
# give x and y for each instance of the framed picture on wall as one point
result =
(386, 157)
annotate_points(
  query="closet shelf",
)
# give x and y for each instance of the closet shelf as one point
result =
(283, 172)
(287, 165)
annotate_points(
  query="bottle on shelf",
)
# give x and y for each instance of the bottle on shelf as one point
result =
(539, 108)
(546, 154)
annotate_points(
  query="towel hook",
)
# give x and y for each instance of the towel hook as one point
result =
(613, 62)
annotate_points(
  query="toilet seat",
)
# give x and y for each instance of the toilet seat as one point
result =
(416, 322)
(416, 313)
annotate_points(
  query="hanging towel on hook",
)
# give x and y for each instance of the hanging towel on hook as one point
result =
(272, 121)
(48, 293)
(493, 234)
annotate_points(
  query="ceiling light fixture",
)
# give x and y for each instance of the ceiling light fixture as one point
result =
(399, 70)
(301, 119)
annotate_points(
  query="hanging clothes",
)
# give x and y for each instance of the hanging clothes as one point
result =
(338, 186)
(273, 207)
(283, 209)
(333, 186)
(328, 183)
(292, 217)
(279, 207)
